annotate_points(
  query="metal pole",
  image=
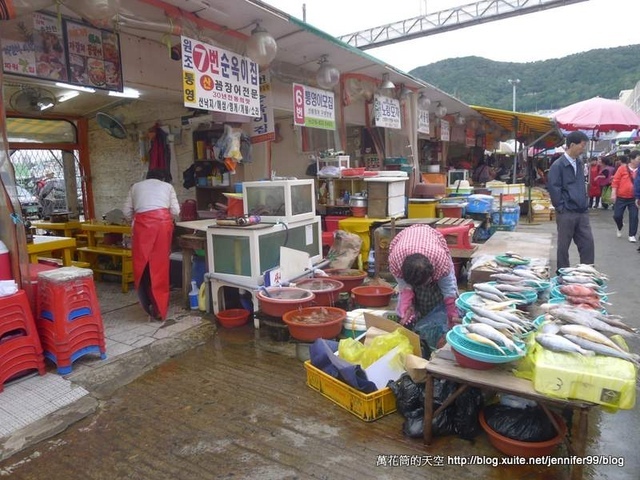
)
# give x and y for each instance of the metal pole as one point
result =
(514, 83)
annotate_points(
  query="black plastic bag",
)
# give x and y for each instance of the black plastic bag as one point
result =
(409, 395)
(413, 425)
(445, 423)
(523, 424)
(468, 406)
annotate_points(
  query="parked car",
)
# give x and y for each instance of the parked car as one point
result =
(31, 208)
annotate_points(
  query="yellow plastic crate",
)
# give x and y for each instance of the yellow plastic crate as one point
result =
(365, 406)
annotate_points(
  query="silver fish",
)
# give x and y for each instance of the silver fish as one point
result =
(601, 349)
(515, 288)
(497, 325)
(576, 279)
(589, 334)
(526, 273)
(495, 335)
(560, 344)
(570, 316)
(550, 327)
(589, 270)
(506, 277)
(490, 289)
(491, 296)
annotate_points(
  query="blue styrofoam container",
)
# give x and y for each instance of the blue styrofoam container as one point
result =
(478, 203)
(510, 216)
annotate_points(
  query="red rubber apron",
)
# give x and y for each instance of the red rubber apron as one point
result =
(151, 235)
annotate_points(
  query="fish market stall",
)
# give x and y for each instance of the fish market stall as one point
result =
(548, 341)
(443, 366)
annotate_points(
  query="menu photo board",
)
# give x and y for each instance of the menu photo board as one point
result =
(219, 80)
(94, 56)
(35, 48)
(62, 50)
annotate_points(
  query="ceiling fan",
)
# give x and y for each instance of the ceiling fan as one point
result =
(111, 125)
(32, 100)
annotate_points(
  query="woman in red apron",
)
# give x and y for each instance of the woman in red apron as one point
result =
(152, 205)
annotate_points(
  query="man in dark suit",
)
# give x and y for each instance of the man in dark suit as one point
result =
(567, 188)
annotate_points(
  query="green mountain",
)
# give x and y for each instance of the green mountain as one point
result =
(544, 85)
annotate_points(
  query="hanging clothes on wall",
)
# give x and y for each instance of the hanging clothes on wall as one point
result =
(159, 152)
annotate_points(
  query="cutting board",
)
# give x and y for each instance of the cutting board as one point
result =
(293, 262)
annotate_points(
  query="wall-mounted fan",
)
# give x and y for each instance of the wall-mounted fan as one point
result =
(111, 125)
(32, 100)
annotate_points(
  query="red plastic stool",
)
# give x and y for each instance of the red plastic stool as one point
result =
(20, 347)
(458, 236)
(34, 270)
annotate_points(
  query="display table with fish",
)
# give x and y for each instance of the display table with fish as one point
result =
(532, 245)
(500, 379)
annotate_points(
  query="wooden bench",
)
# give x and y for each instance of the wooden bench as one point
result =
(58, 262)
(91, 254)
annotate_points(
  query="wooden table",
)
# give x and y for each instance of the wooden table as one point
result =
(94, 250)
(92, 228)
(67, 228)
(45, 243)
(500, 379)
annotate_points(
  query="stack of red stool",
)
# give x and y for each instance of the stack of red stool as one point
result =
(69, 321)
(20, 348)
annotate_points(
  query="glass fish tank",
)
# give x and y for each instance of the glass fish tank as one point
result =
(250, 251)
(279, 200)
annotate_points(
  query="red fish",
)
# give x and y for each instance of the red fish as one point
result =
(576, 290)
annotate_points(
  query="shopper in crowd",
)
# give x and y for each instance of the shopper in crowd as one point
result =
(152, 205)
(636, 193)
(604, 178)
(595, 190)
(622, 195)
(482, 172)
(420, 260)
(567, 188)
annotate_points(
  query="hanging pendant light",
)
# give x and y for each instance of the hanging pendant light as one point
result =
(424, 102)
(386, 84)
(460, 120)
(404, 92)
(327, 75)
(261, 47)
(441, 110)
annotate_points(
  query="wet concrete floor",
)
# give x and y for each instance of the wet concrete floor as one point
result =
(238, 407)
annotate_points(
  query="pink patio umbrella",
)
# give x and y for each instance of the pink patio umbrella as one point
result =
(597, 114)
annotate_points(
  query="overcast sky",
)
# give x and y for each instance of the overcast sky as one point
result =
(554, 33)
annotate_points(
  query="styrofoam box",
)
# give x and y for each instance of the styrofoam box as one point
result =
(602, 380)
(386, 207)
(383, 187)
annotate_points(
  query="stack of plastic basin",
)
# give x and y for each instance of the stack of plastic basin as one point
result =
(20, 348)
(69, 320)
